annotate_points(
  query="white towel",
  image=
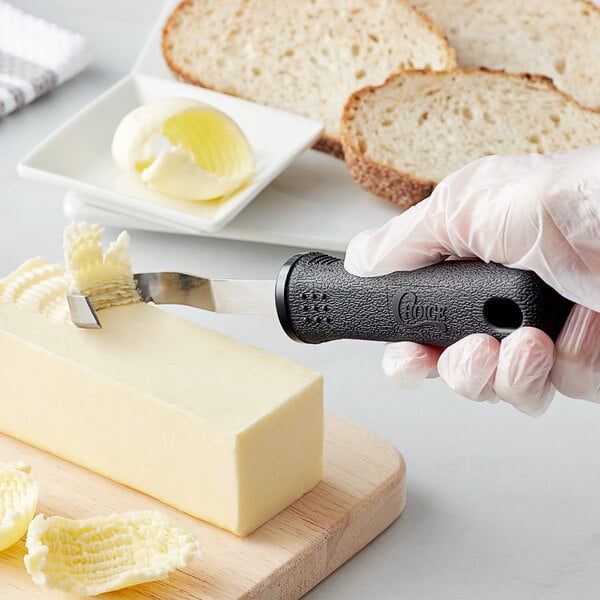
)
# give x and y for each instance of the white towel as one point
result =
(35, 56)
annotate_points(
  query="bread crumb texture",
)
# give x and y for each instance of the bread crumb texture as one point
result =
(556, 38)
(403, 137)
(303, 56)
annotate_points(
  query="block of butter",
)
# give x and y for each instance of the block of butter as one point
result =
(220, 430)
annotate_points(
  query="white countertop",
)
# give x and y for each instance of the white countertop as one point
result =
(500, 505)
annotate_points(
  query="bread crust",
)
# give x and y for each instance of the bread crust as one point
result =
(389, 183)
(329, 145)
(399, 188)
(326, 143)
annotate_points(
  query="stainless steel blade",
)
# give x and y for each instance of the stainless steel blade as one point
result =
(82, 312)
(233, 296)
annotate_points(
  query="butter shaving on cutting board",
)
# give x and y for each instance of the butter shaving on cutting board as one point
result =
(18, 500)
(102, 554)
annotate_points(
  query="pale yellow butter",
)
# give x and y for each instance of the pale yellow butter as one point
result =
(105, 278)
(204, 155)
(19, 493)
(102, 554)
(223, 431)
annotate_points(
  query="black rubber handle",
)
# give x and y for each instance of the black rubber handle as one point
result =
(319, 301)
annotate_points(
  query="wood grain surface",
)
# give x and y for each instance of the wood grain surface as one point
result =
(362, 492)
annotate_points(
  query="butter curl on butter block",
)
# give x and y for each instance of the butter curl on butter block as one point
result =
(225, 432)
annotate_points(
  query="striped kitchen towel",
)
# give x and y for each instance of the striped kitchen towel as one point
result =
(35, 56)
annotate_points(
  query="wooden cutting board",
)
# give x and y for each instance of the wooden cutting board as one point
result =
(362, 492)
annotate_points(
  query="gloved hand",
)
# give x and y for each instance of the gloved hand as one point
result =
(535, 212)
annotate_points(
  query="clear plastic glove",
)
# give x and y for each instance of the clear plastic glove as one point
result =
(535, 212)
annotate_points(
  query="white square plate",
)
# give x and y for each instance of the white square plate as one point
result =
(78, 157)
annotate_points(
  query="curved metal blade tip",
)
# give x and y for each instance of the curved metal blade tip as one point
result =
(82, 312)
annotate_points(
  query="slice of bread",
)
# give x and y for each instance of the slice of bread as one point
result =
(556, 38)
(303, 56)
(404, 136)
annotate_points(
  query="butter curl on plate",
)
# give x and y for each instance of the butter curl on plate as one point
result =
(184, 149)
